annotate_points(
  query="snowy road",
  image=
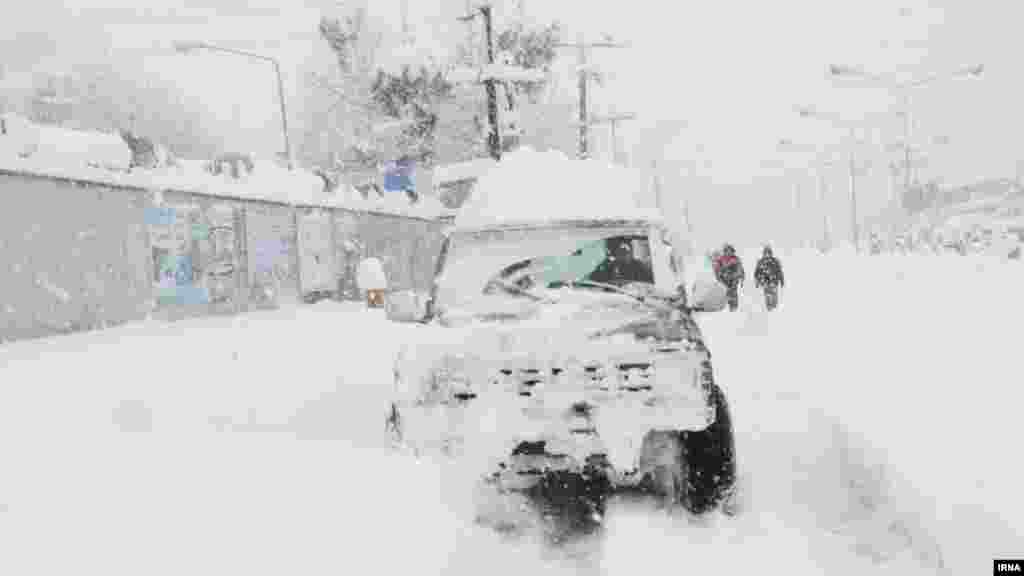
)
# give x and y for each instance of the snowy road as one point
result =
(876, 433)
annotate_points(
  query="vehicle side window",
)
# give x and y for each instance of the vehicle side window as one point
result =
(627, 259)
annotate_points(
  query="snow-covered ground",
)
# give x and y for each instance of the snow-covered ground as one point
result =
(875, 412)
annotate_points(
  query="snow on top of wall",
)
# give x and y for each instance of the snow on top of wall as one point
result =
(55, 152)
(56, 145)
(527, 186)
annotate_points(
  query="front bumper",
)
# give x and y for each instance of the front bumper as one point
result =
(599, 404)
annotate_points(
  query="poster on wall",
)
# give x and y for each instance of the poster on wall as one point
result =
(269, 256)
(173, 250)
(315, 266)
(220, 262)
(348, 253)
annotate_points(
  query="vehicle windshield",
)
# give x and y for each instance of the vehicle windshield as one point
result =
(493, 265)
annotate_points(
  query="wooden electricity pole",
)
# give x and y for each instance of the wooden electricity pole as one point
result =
(491, 78)
(490, 83)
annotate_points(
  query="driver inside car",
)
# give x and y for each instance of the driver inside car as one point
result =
(621, 266)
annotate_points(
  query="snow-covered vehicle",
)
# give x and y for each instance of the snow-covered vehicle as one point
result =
(560, 360)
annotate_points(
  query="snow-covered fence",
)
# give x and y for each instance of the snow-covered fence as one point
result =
(79, 254)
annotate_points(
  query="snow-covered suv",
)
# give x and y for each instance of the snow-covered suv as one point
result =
(562, 360)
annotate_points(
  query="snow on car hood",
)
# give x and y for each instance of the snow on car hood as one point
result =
(580, 325)
(488, 356)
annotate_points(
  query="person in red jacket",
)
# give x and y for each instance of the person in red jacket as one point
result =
(729, 271)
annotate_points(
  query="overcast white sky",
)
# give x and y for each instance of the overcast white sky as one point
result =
(729, 70)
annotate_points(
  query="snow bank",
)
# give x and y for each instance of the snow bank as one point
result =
(51, 151)
(527, 186)
(910, 364)
(875, 414)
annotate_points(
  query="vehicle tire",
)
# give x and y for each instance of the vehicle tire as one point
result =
(692, 470)
(564, 504)
(710, 460)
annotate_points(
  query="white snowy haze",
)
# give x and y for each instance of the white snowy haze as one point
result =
(876, 412)
(713, 84)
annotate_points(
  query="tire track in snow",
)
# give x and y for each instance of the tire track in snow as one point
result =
(805, 473)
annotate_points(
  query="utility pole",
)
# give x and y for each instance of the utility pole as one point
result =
(907, 178)
(583, 119)
(612, 120)
(824, 208)
(490, 81)
(405, 18)
(582, 79)
(854, 223)
(494, 137)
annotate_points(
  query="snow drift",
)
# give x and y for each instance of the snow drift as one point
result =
(875, 412)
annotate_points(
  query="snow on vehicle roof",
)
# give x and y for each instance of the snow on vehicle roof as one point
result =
(530, 187)
(55, 152)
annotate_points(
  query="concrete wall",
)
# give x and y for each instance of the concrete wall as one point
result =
(78, 256)
(72, 257)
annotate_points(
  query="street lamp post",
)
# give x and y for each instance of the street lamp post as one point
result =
(808, 112)
(787, 144)
(187, 47)
(846, 71)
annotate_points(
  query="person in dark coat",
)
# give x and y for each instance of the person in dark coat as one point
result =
(729, 271)
(622, 266)
(768, 276)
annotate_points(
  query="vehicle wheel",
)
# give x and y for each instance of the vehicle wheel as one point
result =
(693, 470)
(564, 504)
(571, 504)
(710, 460)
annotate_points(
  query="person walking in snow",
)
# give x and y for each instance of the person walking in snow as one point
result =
(729, 271)
(768, 276)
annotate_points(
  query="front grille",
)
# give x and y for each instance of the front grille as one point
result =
(616, 377)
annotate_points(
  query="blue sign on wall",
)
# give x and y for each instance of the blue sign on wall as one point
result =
(159, 216)
(398, 176)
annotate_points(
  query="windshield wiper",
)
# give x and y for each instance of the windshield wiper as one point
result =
(657, 302)
(512, 288)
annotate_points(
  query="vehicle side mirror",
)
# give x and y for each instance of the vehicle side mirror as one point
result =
(405, 306)
(709, 296)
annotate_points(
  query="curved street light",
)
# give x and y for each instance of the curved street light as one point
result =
(845, 70)
(857, 72)
(190, 47)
